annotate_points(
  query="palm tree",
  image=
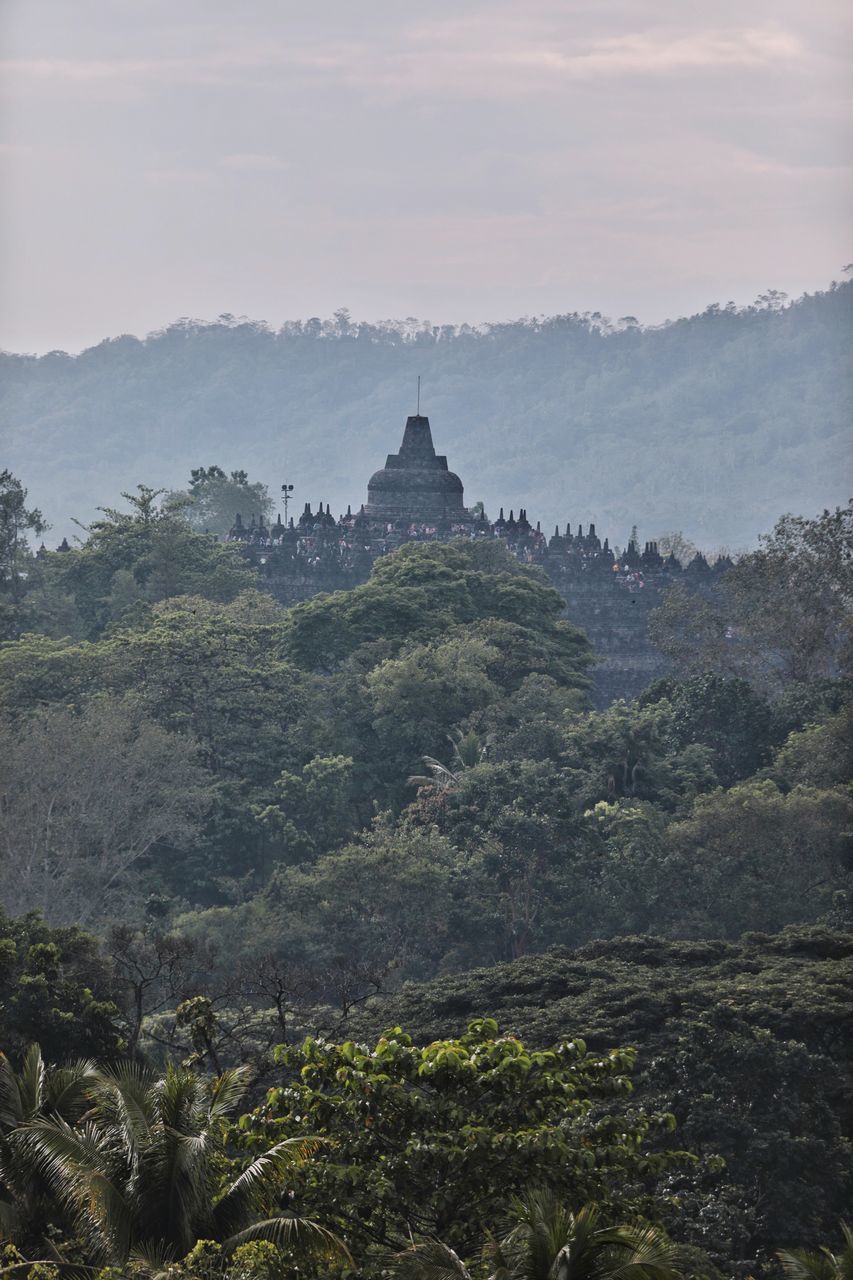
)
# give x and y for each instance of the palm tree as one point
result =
(820, 1264)
(548, 1241)
(141, 1174)
(33, 1093)
(468, 750)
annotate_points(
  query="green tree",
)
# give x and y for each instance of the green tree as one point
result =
(819, 755)
(36, 671)
(793, 598)
(436, 1140)
(417, 697)
(314, 809)
(727, 716)
(692, 632)
(56, 989)
(144, 1175)
(747, 1043)
(396, 912)
(783, 614)
(17, 563)
(468, 751)
(421, 591)
(550, 1242)
(627, 751)
(214, 498)
(754, 857)
(131, 559)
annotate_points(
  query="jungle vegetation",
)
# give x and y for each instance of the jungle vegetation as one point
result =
(352, 940)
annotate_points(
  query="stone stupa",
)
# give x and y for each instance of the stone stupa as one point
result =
(415, 484)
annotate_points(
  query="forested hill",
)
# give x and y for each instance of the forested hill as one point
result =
(712, 424)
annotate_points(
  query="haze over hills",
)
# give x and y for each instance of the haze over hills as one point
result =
(713, 424)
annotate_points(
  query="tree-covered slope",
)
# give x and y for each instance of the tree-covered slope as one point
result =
(747, 1044)
(796, 985)
(713, 424)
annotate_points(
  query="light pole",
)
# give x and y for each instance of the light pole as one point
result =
(287, 490)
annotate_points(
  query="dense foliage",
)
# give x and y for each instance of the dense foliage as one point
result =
(721, 420)
(781, 615)
(434, 1141)
(392, 807)
(747, 1044)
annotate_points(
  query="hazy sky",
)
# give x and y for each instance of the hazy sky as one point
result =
(449, 159)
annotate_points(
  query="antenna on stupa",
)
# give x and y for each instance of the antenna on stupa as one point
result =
(419, 395)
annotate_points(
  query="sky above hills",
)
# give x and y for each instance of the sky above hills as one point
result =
(461, 160)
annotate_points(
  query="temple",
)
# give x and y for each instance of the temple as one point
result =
(609, 592)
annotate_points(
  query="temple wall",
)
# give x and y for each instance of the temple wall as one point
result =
(616, 623)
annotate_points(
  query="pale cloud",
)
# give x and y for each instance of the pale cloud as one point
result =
(467, 159)
(637, 54)
(253, 162)
(461, 57)
(177, 176)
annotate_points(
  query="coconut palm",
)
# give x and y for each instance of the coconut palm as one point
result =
(141, 1174)
(545, 1240)
(548, 1241)
(468, 750)
(820, 1264)
(35, 1092)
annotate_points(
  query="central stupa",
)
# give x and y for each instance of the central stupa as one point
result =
(415, 484)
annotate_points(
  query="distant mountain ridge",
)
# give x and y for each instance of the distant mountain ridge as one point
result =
(714, 424)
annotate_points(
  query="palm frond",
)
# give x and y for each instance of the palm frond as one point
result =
(69, 1087)
(75, 1164)
(65, 1156)
(123, 1096)
(31, 1080)
(111, 1214)
(808, 1264)
(11, 1112)
(306, 1239)
(176, 1094)
(155, 1258)
(227, 1091)
(636, 1253)
(428, 1259)
(184, 1168)
(439, 776)
(247, 1192)
(130, 1076)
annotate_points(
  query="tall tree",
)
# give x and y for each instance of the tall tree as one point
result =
(781, 614)
(85, 798)
(17, 520)
(132, 558)
(214, 498)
